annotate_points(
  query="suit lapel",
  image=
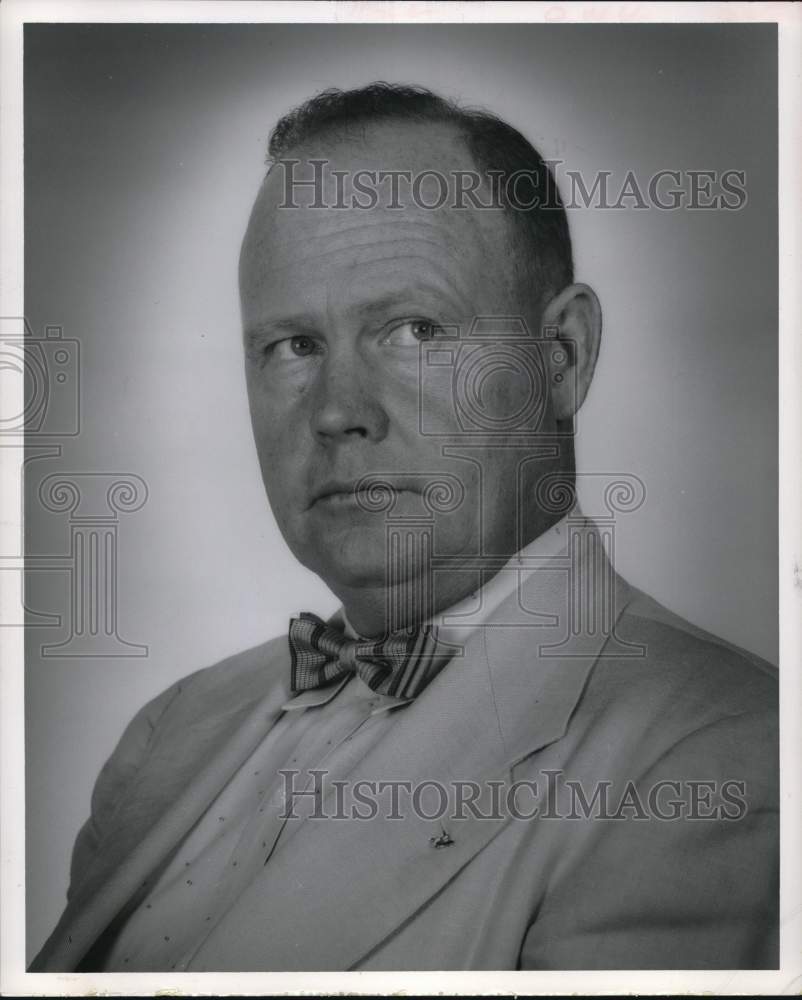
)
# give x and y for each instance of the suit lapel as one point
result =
(340, 887)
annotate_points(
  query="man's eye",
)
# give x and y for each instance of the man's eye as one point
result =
(412, 331)
(299, 346)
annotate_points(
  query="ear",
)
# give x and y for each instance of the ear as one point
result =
(571, 324)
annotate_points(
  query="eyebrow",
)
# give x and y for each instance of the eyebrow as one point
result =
(303, 323)
(306, 323)
(393, 299)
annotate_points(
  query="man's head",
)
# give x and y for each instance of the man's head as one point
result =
(350, 286)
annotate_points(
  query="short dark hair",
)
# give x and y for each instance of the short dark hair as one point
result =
(493, 144)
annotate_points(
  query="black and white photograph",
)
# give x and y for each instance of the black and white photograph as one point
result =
(401, 533)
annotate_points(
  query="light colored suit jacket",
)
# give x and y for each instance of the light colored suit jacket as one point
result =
(655, 701)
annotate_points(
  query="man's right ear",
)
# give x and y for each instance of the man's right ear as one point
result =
(572, 325)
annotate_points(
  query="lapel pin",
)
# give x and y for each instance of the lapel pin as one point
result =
(443, 840)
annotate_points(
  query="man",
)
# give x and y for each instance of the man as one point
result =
(498, 755)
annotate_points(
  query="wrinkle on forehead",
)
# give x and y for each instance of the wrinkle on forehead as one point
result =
(281, 247)
(425, 258)
(454, 249)
(456, 244)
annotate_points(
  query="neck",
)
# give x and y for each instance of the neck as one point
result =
(415, 598)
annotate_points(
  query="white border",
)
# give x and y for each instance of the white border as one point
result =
(788, 980)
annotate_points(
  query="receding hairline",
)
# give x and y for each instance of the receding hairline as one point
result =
(324, 145)
(492, 144)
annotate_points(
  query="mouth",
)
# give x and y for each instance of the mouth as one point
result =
(340, 498)
(372, 498)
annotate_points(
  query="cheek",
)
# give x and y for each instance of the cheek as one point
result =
(277, 421)
(483, 389)
(505, 394)
(281, 461)
(283, 475)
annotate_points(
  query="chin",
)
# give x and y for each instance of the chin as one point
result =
(352, 553)
(354, 557)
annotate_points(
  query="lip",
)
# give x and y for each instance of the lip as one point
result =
(340, 497)
(336, 493)
(333, 489)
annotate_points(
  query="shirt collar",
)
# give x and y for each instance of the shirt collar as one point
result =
(317, 697)
(460, 620)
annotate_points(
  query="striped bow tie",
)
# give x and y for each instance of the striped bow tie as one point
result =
(401, 665)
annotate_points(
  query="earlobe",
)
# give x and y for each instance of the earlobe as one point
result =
(571, 325)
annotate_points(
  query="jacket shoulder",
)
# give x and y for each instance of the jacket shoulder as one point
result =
(236, 681)
(666, 685)
(644, 611)
(196, 711)
(672, 656)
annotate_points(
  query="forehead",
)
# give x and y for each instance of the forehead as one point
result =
(358, 253)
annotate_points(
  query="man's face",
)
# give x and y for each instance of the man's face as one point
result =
(336, 304)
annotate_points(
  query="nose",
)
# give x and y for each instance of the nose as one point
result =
(346, 405)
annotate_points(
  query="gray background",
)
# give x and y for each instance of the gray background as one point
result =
(144, 148)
